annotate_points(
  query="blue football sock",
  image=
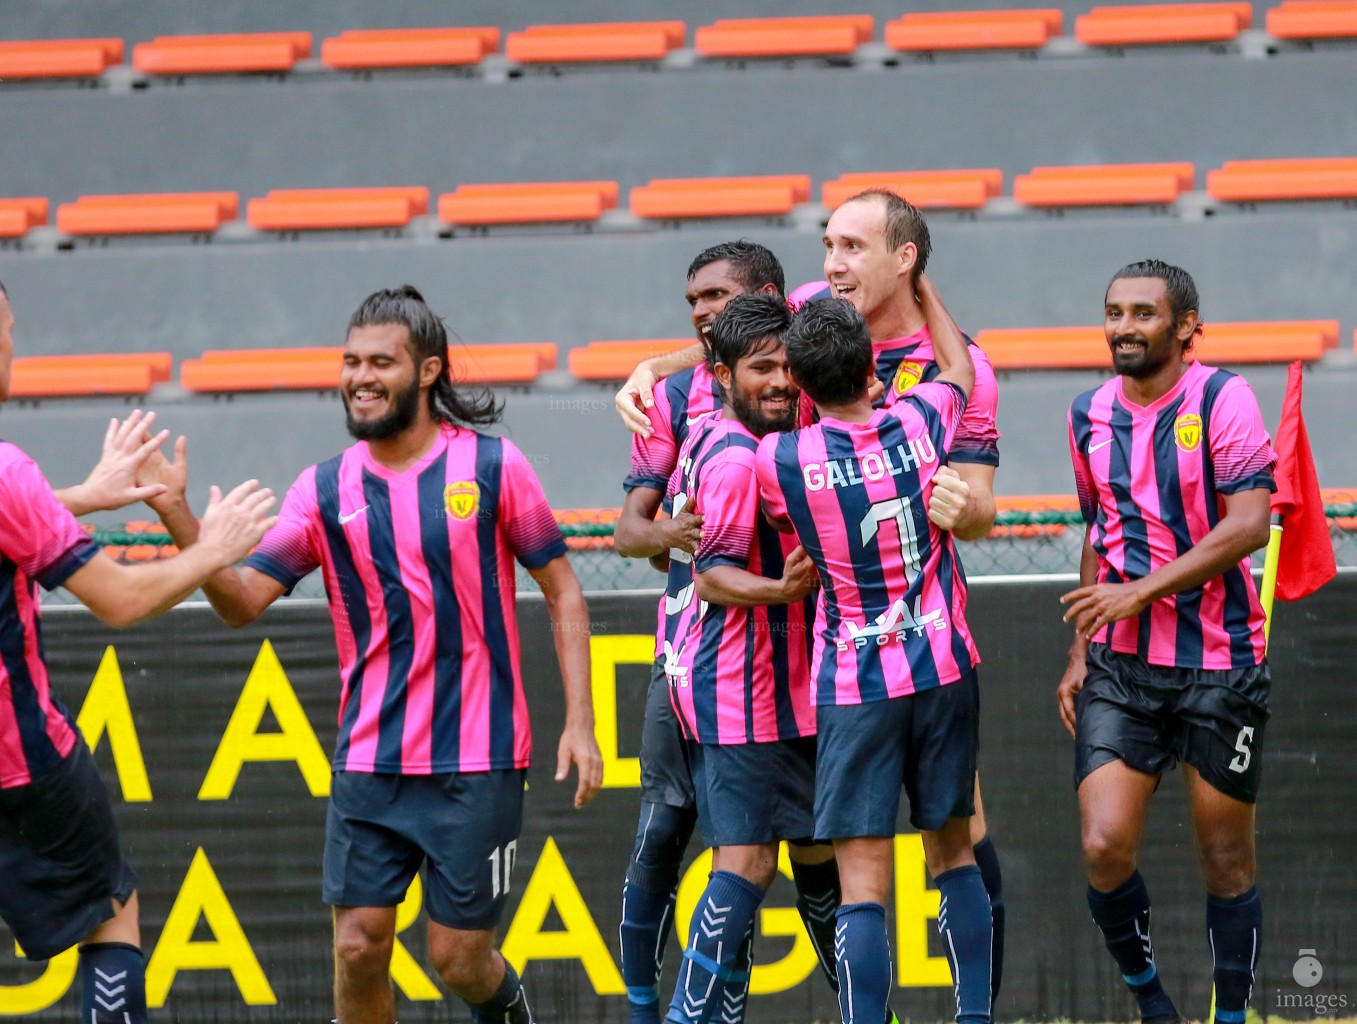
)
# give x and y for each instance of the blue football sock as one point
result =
(967, 933)
(648, 895)
(1235, 927)
(863, 956)
(715, 972)
(114, 974)
(987, 860)
(817, 899)
(509, 1004)
(1123, 915)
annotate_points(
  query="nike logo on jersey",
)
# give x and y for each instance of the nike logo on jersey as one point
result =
(345, 519)
(1101, 444)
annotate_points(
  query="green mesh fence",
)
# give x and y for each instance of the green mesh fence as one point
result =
(1023, 543)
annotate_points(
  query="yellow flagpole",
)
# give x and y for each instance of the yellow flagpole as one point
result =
(1269, 587)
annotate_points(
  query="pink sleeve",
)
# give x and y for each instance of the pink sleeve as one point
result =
(653, 458)
(944, 398)
(977, 438)
(770, 489)
(728, 501)
(1241, 450)
(1083, 477)
(290, 550)
(534, 536)
(37, 533)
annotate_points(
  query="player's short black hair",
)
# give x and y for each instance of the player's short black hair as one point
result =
(746, 323)
(904, 223)
(754, 265)
(428, 337)
(1179, 287)
(829, 351)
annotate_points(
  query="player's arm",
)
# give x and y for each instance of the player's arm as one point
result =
(122, 595)
(238, 596)
(570, 629)
(962, 500)
(949, 344)
(640, 534)
(112, 483)
(638, 393)
(734, 587)
(1076, 668)
(1241, 530)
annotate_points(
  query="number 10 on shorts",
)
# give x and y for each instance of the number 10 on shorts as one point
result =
(501, 867)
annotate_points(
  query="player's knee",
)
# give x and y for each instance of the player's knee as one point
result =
(661, 837)
(471, 973)
(1227, 868)
(362, 951)
(1107, 855)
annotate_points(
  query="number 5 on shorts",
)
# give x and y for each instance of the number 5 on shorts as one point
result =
(1241, 761)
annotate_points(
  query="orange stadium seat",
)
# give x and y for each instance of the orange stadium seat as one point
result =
(59, 58)
(280, 369)
(17, 216)
(720, 197)
(1034, 503)
(1086, 347)
(784, 37)
(320, 208)
(961, 189)
(150, 213)
(408, 47)
(625, 40)
(588, 517)
(1254, 180)
(70, 376)
(1163, 23)
(614, 360)
(527, 202)
(1103, 185)
(974, 30)
(221, 54)
(1313, 19)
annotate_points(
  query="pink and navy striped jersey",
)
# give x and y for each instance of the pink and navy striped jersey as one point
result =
(901, 363)
(40, 542)
(419, 572)
(736, 675)
(1151, 481)
(892, 616)
(680, 402)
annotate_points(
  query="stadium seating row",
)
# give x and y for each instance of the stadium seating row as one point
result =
(224, 371)
(1239, 181)
(828, 35)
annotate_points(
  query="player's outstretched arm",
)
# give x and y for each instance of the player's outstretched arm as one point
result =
(640, 534)
(734, 587)
(122, 595)
(1075, 668)
(570, 628)
(949, 345)
(112, 483)
(238, 596)
(963, 500)
(1242, 530)
(638, 393)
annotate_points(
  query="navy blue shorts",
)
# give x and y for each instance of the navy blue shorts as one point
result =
(754, 793)
(926, 742)
(60, 864)
(665, 776)
(1152, 716)
(380, 828)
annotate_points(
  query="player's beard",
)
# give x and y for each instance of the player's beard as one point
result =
(401, 416)
(752, 416)
(1143, 360)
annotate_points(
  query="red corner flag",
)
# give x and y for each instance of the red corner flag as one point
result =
(1306, 561)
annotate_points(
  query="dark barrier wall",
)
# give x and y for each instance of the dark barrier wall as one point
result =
(215, 743)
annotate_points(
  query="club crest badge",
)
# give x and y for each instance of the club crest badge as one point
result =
(1187, 431)
(462, 499)
(906, 377)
